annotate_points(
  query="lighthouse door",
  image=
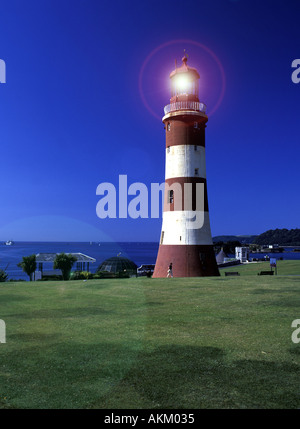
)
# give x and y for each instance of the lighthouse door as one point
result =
(202, 258)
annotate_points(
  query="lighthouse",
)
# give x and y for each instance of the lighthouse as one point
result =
(185, 240)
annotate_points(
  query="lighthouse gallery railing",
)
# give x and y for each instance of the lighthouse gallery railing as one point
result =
(185, 105)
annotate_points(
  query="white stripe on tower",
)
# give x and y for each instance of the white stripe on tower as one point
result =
(185, 161)
(177, 228)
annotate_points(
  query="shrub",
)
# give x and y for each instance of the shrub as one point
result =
(86, 275)
(75, 275)
(81, 275)
(112, 275)
(64, 263)
(50, 277)
(3, 276)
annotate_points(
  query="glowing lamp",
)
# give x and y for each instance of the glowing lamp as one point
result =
(184, 82)
(182, 85)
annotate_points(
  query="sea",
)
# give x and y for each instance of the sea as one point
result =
(139, 252)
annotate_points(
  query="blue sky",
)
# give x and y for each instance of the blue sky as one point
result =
(86, 85)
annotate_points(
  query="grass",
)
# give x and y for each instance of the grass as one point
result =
(153, 343)
(284, 268)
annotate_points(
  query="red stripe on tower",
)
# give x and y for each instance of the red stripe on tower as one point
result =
(186, 239)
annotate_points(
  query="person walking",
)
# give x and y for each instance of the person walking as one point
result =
(170, 270)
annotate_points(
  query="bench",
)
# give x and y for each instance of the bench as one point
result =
(265, 273)
(231, 273)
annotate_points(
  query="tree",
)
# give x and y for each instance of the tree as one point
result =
(228, 246)
(64, 263)
(3, 276)
(283, 237)
(28, 265)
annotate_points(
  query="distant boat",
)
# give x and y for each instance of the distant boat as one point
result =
(9, 243)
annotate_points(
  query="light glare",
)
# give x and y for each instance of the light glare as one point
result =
(182, 83)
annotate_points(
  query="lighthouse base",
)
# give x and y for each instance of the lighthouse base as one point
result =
(187, 260)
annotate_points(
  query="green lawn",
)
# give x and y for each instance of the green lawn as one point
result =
(284, 268)
(153, 343)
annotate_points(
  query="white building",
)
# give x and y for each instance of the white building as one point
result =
(242, 254)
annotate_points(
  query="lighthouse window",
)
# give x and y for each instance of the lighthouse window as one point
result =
(171, 196)
(168, 149)
(196, 171)
(196, 125)
(195, 147)
(168, 126)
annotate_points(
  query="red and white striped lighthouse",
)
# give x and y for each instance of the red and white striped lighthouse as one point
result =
(186, 239)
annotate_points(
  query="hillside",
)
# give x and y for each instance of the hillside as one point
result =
(282, 237)
(243, 239)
